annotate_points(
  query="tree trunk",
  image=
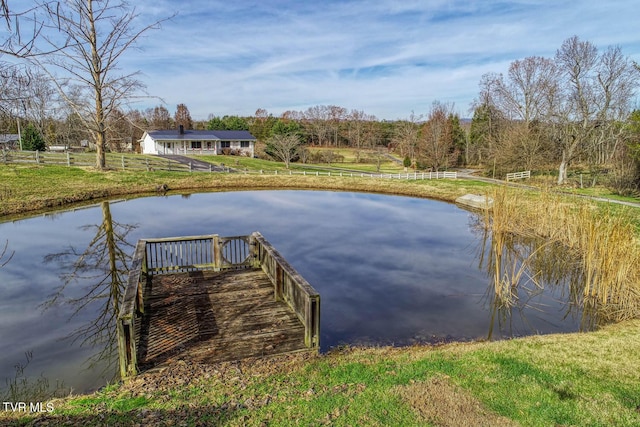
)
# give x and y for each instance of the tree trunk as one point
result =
(96, 72)
(112, 249)
(101, 162)
(562, 170)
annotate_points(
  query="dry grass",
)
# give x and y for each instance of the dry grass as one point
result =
(603, 241)
(437, 402)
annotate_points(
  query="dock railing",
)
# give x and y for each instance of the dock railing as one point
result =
(291, 287)
(211, 252)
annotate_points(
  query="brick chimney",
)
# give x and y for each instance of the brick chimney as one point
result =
(181, 130)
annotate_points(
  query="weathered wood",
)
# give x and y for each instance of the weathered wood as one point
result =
(293, 288)
(132, 305)
(211, 298)
(215, 316)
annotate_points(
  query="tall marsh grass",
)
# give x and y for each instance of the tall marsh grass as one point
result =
(601, 239)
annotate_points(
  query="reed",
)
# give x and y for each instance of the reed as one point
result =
(604, 244)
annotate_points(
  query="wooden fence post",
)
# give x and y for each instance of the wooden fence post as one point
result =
(123, 167)
(217, 256)
(37, 156)
(279, 285)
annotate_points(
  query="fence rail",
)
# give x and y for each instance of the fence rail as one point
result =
(194, 253)
(211, 252)
(407, 176)
(291, 287)
(154, 163)
(518, 175)
(113, 161)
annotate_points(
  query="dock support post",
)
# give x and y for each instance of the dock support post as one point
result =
(217, 256)
(126, 349)
(279, 288)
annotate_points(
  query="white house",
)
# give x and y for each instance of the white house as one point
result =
(180, 141)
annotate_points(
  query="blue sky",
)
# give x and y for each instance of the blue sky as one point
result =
(387, 57)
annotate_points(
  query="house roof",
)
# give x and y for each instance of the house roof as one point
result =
(9, 137)
(201, 135)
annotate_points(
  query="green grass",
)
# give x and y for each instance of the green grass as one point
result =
(348, 163)
(604, 193)
(573, 379)
(33, 188)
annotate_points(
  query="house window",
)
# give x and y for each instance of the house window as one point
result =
(244, 144)
(225, 144)
(196, 144)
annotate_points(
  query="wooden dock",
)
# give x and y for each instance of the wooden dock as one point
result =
(208, 299)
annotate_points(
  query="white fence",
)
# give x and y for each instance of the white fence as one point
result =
(415, 175)
(518, 175)
(154, 163)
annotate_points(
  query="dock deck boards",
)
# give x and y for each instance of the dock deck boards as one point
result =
(209, 317)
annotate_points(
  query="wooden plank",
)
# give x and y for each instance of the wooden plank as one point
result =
(215, 316)
(292, 288)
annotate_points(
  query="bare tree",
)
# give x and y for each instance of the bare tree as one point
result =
(104, 265)
(12, 81)
(526, 94)
(356, 129)
(23, 30)
(436, 138)
(183, 117)
(284, 147)
(406, 135)
(525, 97)
(317, 122)
(38, 100)
(84, 40)
(598, 90)
(159, 118)
(336, 117)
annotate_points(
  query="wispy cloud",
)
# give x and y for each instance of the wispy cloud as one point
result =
(385, 57)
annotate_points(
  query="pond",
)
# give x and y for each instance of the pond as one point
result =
(390, 271)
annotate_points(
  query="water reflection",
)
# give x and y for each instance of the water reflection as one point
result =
(103, 265)
(525, 274)
(5, 254)
(390, 270)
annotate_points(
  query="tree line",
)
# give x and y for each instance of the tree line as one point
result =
(573, 108)
(542, 113)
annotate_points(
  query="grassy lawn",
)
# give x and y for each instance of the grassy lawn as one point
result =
(32, 188)
(575, 379)
(604, 193)
(569, 379)
(348, 163)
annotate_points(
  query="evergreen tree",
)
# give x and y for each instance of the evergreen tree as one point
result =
(32, 140)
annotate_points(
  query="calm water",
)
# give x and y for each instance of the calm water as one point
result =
(390, 270)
